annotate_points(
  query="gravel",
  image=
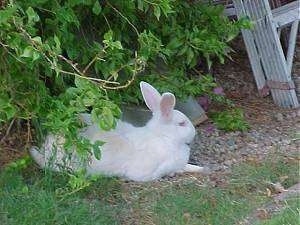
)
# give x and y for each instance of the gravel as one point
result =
(272, 129)
(219, 150)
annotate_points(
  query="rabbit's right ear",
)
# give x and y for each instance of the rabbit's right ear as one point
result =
(167, 105)
(151, 96)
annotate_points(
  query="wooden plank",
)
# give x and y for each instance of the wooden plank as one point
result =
(253, 55)
(286, 98)
(286, 14)
(261, 33)
(291, 47)
(230, 11)
(269, 51)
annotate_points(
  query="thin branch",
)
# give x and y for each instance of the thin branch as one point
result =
(135, 71)
(8, 130)
(104, 84)
(107, 21)
(29, 138)
(82, 75)
(93, 60)
(6, 49)
(88, 78)
(124, 17)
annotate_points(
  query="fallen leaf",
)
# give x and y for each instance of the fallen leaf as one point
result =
(186, 217)
(262, 214)
(269, 192)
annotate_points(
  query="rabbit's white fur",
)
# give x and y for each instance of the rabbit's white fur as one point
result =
(136, 153)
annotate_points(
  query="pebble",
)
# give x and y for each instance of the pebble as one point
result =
(279, 117)
(293, 114)
(231, 142)
(219, 152)
(268, 123)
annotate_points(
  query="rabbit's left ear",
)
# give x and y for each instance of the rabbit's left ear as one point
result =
(151, 96)
(167, 105)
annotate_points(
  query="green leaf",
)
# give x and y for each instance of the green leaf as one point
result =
(97, 149)
(35, 55)
(7, 13)
(81, 83)
(38, 40)
(108, 35)
(183, 50)
(28, 52)
(157, 12)
(116, 44)
(190, 56)
(97, 8)
(174, 43)
(107, 119)
(32, 15)
(57, 44)
(140, 5)
(10, 111)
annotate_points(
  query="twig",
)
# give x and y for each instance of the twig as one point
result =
(87, 78)
(8, 130)
(93, 60)
(124, 17)
(73, 65)
(136, 70)
(5, 47)
(107, 21)
(104, 84)
(28, 132)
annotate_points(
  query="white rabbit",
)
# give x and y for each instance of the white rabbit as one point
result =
(135, 153)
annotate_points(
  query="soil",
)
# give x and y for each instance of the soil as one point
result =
(13, 142)
(272, 129)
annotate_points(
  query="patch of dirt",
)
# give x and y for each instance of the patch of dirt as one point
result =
(274, 207)
(14, 140)
(272, 129)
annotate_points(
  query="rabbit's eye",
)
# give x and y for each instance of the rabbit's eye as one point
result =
(182, 124)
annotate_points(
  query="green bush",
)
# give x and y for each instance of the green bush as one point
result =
(230, 120)
(62, 58)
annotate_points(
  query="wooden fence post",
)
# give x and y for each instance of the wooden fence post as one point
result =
(266, 54)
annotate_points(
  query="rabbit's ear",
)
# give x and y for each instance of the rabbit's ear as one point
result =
(167, 105)
(151, 96)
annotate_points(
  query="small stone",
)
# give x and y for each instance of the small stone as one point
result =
(268, 143)
(231, 142)
(298, 112)
(293, 114)
(228, 163)
(279, 117)
(286, 142)
(232, 148)
(187, 217)
(262, 214)
(289, 116)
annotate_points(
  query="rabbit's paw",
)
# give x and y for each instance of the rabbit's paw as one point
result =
(189, 168)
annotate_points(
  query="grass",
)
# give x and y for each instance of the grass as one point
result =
(24, 201)
(29, 196)
(289, 216)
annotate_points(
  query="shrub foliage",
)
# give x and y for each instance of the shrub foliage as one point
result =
(61, 58)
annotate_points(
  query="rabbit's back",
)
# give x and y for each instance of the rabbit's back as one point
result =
(137, 154)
